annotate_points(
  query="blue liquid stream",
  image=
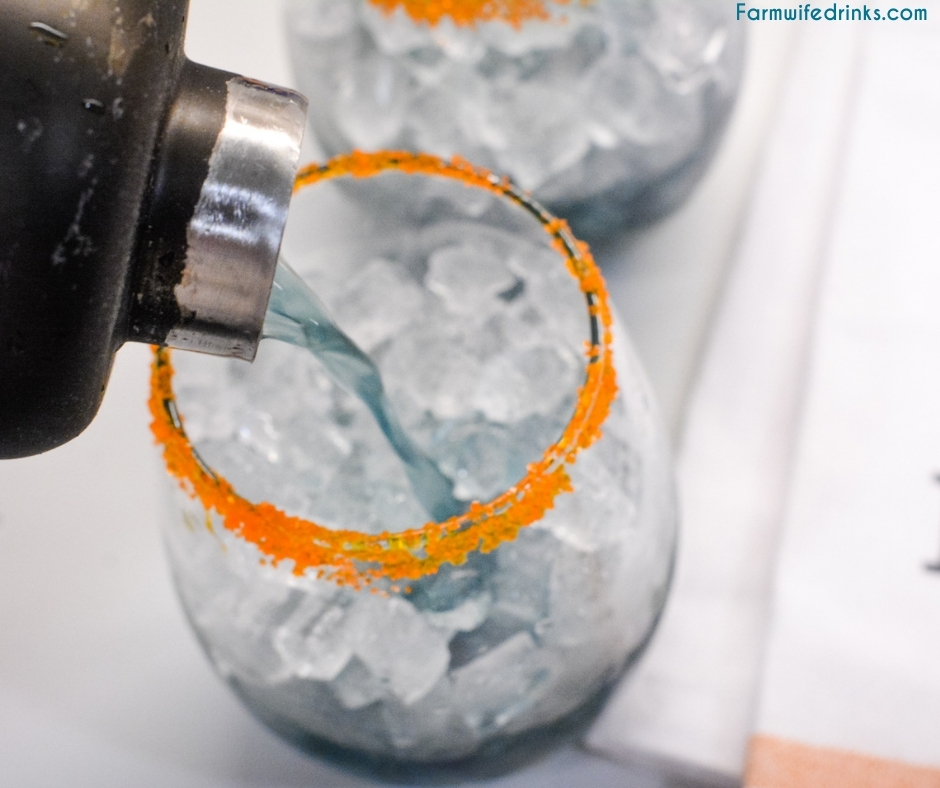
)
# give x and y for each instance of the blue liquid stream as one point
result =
(297, 316)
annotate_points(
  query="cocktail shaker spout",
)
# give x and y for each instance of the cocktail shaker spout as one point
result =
(142, 198)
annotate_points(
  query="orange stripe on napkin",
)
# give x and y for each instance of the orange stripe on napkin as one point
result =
(776, 763)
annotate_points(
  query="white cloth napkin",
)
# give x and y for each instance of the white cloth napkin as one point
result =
(691, 702)
(851, 692)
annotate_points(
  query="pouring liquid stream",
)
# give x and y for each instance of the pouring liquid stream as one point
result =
(297, 316)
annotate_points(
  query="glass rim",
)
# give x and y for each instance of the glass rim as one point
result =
(355, 558)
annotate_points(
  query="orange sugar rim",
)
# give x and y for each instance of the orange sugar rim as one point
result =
(354, 558)
(469, 12)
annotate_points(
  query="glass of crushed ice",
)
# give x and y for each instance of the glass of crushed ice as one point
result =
(473, 665)
(609, 110)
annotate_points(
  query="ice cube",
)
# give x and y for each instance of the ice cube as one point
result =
(476, 456)
(607, 477)
(324, 19)
(238, 627)
(429, 365)
(494, 689)
(533, 434)
(632, 102)
(439, 119)
(578, 592)
(315, 450)
(552, 301)
(208, 408)
(534, 133)
(685, 42)
(258, 433)
(310, 708)
(526, 381)
(465, 617)
(356, 687)
(377, 303)
(431, 728)
(469, 276)
(521, 582)
(370, 492)
(451, 586)
(398, 646)
(231, 597)
(498, 627)
(372, 99)
(460, 44)
(395, 33)
(539, 36)
(285, 382)
(312, 642)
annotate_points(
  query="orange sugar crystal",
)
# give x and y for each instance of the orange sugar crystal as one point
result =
(357, 559)
(470, 12)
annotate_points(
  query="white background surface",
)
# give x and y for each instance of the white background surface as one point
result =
(102, 684)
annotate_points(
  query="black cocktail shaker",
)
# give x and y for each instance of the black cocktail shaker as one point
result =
(142, 198)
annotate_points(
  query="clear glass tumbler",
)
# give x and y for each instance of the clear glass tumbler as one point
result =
(418, 650)
(608, 110)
